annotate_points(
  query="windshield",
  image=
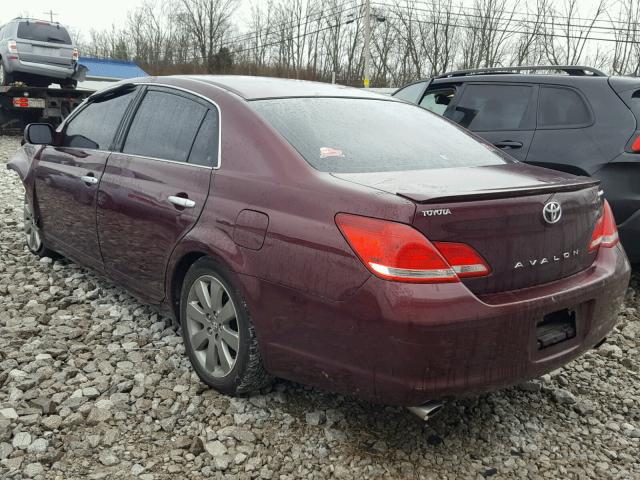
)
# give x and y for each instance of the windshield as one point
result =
(43, 32)
(352, 135)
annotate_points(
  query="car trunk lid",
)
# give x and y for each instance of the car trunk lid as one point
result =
(498, 210)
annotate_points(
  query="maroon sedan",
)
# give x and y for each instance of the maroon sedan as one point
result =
(326, 235)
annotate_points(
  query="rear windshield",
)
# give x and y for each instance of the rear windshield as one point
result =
(347, 135)
(43, 32)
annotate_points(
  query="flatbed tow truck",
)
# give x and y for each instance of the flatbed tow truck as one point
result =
(21, 104)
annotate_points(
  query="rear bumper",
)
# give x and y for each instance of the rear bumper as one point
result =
(42, 69)
(405, 344)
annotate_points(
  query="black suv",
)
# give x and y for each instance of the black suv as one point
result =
(574, 119)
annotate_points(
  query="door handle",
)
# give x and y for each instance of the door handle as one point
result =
(182, 202)
(508, 144)
(89, 179)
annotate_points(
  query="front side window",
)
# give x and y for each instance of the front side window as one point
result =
(43, 32)
(495, 107)
(437, 101)
(164, 127)
(95, 125)
(562, 107)
(330, 135)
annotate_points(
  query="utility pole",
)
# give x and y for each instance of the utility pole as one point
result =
(51, 14)
(367, 41)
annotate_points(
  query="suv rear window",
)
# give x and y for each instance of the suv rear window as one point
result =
(562, 107)
(43, 32)
(349, 135)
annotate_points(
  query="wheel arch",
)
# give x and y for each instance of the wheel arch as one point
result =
(181, 265)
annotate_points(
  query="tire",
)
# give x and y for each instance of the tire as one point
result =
(215, 319)
(5, 77)
(33, 235)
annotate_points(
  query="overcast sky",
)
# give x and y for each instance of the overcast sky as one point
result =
(84, 15)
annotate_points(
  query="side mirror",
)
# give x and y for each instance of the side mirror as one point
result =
(39, 134)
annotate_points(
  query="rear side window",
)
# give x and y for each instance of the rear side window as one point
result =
(95, 125)
(410, 93)
(205, 148)
(494, 107)
(348, 135)
(437, 101)
(164, 127)
(562, 107)
(43, 32)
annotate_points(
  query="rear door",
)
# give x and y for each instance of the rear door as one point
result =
(154, 189)
(44, 42)
(563, 140)
(68, 175)
(504, 114)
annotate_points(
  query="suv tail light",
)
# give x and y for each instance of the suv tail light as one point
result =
(395, 251)
(605, 233)
(75, 55)
(12, 46)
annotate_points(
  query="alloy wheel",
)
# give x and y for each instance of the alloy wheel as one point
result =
(31, 231)
(212, 326)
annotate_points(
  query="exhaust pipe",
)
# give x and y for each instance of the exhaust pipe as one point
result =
(427, 411)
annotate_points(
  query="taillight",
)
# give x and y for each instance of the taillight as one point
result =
(395, 251)
(12, 46)
(75, 55)
(464, 260)
(635, 146)
(605, 233)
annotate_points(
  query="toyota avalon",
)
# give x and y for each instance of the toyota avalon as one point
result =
(326, 235)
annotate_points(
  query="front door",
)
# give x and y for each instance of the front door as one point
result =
(153, 191)
(503, 114)
(68, 176)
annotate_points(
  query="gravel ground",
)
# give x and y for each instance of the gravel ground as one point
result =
(94, 384)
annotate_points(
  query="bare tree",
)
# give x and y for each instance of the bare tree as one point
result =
(565, 35)
(209, 21)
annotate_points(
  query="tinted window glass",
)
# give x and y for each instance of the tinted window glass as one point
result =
(95, 126)
(493, 107)
(43, 32)
(437, 101)
(410, 93)
(205, 148)
(164, 127)
(331, 134)
(561, 107)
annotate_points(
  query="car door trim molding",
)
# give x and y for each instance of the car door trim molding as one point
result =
(82, 106)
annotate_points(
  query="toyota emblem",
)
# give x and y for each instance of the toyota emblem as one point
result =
(552, 212)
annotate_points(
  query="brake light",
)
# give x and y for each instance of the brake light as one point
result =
(395, 251)
(75, 55)
(605, 233)
(464, 260)
(12, 46)
(635, 146)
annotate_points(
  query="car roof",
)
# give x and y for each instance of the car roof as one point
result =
(254, 88)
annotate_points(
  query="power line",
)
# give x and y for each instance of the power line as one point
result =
(508, 18)
(291, 23)
(504, 30)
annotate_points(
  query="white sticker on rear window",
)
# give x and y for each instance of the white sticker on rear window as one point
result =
(330, 152)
